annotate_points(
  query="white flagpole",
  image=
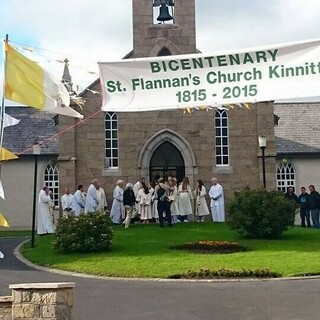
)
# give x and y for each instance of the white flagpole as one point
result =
(3, 107)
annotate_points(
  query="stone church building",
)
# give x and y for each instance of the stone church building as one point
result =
(222, 143)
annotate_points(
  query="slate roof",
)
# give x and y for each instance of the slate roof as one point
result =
(298, 130)
(34, 126)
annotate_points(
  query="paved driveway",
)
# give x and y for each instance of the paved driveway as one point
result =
(100, 299)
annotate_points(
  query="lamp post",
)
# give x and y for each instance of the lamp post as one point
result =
(36, 153)
(263, 145)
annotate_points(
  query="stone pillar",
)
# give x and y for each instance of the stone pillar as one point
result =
(5, 308)
(50, 301)
(67, 153)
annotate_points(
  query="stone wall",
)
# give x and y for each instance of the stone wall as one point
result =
(34, 301)
(5, 308)
(135, 129)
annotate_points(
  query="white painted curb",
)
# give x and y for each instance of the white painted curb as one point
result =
(20, 257)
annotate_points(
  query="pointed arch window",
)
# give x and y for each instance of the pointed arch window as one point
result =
(286, 176)
(111, 139)
(222, 138)
(51, 180)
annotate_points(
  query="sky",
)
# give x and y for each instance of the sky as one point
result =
(88, 31)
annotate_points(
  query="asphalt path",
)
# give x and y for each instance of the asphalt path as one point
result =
(101, 299)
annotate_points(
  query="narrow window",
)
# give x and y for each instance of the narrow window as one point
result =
(111, 139)
(51, 180)
(222, 138)
(285, 176)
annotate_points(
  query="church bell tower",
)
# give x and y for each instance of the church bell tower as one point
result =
(163, 27)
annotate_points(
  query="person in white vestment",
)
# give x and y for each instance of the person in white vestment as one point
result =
(185, 197)
(144, 202)
(153, 196)
(138, 185)
(117, 204)
(217, 201)
(201, 203)
(154, 201)
(174, 200)
(45, 216)
(96, 198)
(102, 205)
(66, 202)
(78, 201)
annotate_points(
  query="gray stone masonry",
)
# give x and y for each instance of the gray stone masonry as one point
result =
(5, 308)
(34, 301)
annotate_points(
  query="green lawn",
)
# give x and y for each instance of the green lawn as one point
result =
(15, 233)
(143, 251)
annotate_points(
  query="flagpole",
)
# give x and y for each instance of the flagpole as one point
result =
(3, 107)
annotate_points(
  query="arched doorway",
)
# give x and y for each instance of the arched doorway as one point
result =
(166, 160)
(175, 139)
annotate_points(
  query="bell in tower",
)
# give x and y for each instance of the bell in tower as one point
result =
(164, 14)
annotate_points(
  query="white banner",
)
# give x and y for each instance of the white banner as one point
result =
(258, 74)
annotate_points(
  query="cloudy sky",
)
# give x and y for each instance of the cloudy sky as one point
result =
(87, 31)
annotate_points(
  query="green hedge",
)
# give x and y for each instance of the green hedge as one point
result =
(260, 213)
(225, 273)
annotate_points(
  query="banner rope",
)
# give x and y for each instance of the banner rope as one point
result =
(60, 132)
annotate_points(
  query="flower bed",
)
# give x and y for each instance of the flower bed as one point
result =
(224, 273)
(208, 246)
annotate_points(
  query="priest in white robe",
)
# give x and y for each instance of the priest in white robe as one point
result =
(117, 204)
(217, 201)
(45, 217)
(78, 201)
(66, 202)
(92, 199)
(138, 185)
(102, 204)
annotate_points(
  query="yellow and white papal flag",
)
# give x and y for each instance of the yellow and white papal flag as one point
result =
(3, 221)
(27, 83)
(6, 155)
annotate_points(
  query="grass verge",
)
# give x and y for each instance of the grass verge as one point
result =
(144, 251)
(15, 233)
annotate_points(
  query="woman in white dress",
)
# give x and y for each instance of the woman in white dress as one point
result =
(144, 201)
(185, 197)
(201, 204)
(174, 200)
(154, 202)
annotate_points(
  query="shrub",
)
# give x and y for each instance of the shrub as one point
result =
(84, 233)
(225, 273)
(209, 246)
(260, 213)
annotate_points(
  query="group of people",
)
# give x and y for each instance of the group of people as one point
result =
(160, 200)
(309, 204)
(165, 200)
(77, 203)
